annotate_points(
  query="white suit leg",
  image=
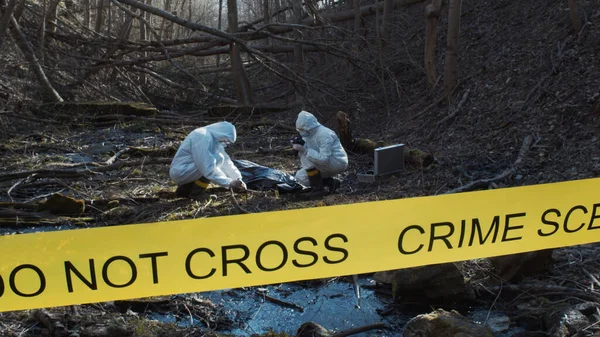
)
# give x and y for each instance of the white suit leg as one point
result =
(302, 177)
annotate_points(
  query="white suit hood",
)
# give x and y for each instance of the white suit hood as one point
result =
(306, 121)
(202, 154)
(222, 131)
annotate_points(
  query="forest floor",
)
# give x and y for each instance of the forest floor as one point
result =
(524, 77)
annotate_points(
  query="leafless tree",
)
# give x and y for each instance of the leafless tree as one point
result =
(451, 68)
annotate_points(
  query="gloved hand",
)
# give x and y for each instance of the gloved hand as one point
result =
(238, 186)
(298, 148)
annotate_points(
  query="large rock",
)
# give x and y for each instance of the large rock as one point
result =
(442, 323)
(565, 322)
(516, 266)
(434, 282)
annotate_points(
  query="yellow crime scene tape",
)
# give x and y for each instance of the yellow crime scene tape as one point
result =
(132, 261)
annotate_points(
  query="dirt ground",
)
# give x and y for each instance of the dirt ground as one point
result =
(522, 73)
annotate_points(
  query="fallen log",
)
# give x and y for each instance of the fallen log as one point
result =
(224, 110)
(57, 173)
(412, 157)
(99, 108)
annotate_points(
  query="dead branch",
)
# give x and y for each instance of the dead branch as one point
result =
(360, 329)
(485, 182)
(112, 159)
(280, 302)
(29, 54)
(268, 122)
(237, 204)
(247, 26)
(450, 116)
(5, 18)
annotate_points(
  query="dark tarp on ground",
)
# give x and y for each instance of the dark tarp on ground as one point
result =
(258, 177)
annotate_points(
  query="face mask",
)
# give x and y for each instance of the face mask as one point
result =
(304, 133)
(224, 143)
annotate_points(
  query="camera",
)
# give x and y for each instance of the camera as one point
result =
(297, 140)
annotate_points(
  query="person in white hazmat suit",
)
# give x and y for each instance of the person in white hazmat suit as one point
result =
(201, 159)
(322, 156)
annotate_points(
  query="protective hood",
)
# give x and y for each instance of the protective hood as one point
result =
(306, 121)
(222, 131)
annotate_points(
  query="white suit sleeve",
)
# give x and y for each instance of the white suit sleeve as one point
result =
(230, 169)
(207, 163)
(323, 154)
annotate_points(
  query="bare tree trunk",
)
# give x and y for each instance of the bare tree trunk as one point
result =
(86, 13)
(386, 25)
(27, 51)
(281, 14)
(575, 18)
(451, 69)
(164, 21)
(19, 10)
(432, 18)
(349, 7)
(99, 15)
(357, 16)
(109, 21)
(51, 16)
(169, 30)
(242, 85)
(267, 20)
(42, 32)
(178, 28)
(298, 54)
(149, 20)
(5, 19)
(219, 27)
(189, 18)
(143, 38)
(266, 13)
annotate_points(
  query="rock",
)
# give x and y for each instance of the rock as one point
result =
(442, 323)
(433, 282)
(498, 323)
(565, 322)
(312, 329)
(516, 266)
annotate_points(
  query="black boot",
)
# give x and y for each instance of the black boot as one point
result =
(316, 183)
(195, 190)
(332, 184)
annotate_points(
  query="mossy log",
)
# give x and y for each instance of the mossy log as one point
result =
(412, 157)
(60, 204)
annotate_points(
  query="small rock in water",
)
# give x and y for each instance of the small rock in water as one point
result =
(498, 323)
(312, 329)
(444, 323)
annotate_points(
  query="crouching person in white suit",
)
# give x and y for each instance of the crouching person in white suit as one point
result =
(322, 156)
(201, 159)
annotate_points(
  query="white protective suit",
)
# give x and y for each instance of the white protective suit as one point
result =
(323, 149)
(202, 153)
